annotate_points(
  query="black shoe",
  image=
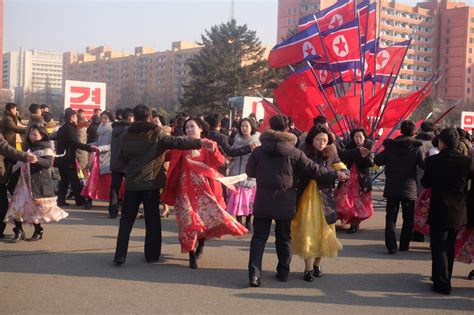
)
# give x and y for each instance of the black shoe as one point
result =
(281, 277)
(308, 276)
(88, 205)
(119, 260)
(200, 248)
(151, 261)
(37, 235)
(440, 290)
(255, 282)
(63, 204)
(403, 249)
(113, 215)
(70, 196)
(193, 260)
(392, 251)
(19, 235)
(353, 229)
(317, 271)
(470, 276)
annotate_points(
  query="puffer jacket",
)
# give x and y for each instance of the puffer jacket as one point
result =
(9, 152)
(401, 158)
(277, 165)
(118, 130)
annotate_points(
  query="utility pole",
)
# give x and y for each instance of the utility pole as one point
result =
(231, 10)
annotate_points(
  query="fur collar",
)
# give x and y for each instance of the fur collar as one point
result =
(278, 136)
(402, 141)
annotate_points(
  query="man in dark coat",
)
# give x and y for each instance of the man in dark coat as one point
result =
(401, 158)
(35, 116)
(10, 124)
(142, 151)
(8, 152)
(275, 166)
(67, 144)
(446, 174)
(116, 165)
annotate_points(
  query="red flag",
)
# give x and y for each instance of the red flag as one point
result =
(303, 45)
(389, 60)
(372, 106)
(348, 106)
(342, 43)
(269, 111)
(367, 23)
(298, 96)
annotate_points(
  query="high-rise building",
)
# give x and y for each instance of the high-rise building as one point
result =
(33, 72)
(147, 76)
(396, 23)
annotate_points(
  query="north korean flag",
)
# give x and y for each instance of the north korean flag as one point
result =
(342, 43)
(333, 16)
(367, 23)
(303, 45)
(389, 59)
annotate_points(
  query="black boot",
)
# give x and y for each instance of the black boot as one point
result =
(199, 248)
(192, 260)
(19, 233)
(248, 222)
(38, 234)
(239, 219)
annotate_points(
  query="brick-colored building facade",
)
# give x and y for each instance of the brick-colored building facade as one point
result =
(1, 42)
(147, 76)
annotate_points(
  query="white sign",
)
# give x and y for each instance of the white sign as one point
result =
(254, 105)
(467, 121)
(85, 95)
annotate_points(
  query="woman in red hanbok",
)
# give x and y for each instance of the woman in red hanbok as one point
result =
(354, 197)
(194, 188)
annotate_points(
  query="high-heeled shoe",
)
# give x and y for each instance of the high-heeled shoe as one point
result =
(37, 235)
(200, 248)
(317, 271)
(193, 260)
(308, 276)
(19, 235)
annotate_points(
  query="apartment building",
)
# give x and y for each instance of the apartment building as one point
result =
(147, 76)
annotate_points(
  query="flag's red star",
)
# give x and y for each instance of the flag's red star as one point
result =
(341, 45)
(380, 59)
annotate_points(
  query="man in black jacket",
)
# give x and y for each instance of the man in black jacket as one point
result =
(116, 165)
(142, 151)
(446, 174)
(275, 165)
(67, 144)
(401, 158)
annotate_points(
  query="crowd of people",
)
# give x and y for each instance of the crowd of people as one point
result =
(229, 178)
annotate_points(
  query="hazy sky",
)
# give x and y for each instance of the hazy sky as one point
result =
(65, 25)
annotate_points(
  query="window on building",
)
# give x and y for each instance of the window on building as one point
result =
(447, 50)
(470, 50)
(468, 90)
(446, 81)
(469, 60)
(447, 41)
(472, 29)
(471, 40)
(445, 90)
(472, 20)
(469, 70)
(446, 61)
(468, 80)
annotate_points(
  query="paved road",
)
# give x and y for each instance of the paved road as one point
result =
(71, 271)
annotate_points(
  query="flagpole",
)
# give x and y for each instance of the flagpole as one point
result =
(375, 51)
(324, 94)
(394, 81)
(326, 53)
(362, 70)
(330, 126)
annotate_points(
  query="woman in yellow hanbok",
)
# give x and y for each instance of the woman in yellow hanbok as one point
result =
(313, 230)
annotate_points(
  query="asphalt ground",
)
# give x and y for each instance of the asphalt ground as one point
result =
(70, 271)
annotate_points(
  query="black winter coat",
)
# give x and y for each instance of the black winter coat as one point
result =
(8, 152)
(41, 173)
(277, 165)
(118, 129)
(224, 147)
(401, 158)
(447, 174)
(350, 155)
(67, 141)
(92, 135)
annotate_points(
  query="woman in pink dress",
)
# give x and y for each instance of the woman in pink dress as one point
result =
(240, 202)
(194, 190)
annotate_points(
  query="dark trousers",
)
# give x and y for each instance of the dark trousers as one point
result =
(131, 203)
(442, 256)
(69, 176)
(3, 206)
(261, 231)
(115, 185)
(408, 208)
